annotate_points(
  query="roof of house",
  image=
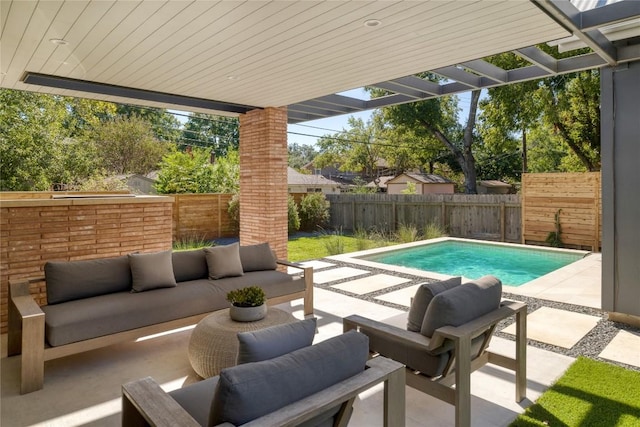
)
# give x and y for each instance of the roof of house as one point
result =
(296, 178)
(424, 178)
(382, 182)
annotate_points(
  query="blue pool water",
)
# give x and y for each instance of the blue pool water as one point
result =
(514, 266)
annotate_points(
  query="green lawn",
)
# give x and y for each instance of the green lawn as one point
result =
(589, 394)
(306, 248)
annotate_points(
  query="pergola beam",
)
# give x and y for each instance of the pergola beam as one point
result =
(568, 16)
(487, 70)
(539, 58)
(608, 15)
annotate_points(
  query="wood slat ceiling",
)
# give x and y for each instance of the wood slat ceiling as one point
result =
(253, 52)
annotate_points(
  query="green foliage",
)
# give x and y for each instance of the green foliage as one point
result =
(192, 242)
(589, 394)
(362, 239)
(127, 145)
(221, 135)
(234, 210)
(360, 187)
(432, 231)
(163, 124)
(334, 242)
(101, 182)
(300, 155)
(36, 148)
(411, 188)
(407, 233)
(314, 211)
(250, 296)
(554, 239)
(293, 218)
(192, 172)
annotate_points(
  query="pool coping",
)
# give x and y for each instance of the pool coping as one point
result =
(354, 258)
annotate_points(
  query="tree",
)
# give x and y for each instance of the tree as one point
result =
(36, 148)
(566, 106)
(300, 155)
(192, 172)
(165, 126)
(221, 134)
(357, 149)
(437, 118)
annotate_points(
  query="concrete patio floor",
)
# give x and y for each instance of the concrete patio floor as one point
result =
(84, 389)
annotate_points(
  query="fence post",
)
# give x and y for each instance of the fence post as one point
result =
(502, 221)
(443, 213)
(353, 215)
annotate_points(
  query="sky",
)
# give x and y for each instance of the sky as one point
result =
(309, 132)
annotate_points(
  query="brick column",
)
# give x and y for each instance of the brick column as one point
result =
(263, 178)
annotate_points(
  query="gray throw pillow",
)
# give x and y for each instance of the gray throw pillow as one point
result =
(72, 280)
(189, 265)
(249, 391)
(224, 261)
(423, 297)
(462, 304)
(257, 257)
(151, 271)
(275, 341)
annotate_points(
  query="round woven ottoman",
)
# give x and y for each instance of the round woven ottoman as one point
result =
(213, 345)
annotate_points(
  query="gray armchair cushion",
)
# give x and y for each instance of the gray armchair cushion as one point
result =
(246, 392)
(257, 257)
(462, 304)
(189, 265)
(196, 399)
(224, 261)
(151, 271)
(423, 297)
(267, 343)
(72, 280)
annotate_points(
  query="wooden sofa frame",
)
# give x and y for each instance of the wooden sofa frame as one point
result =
(461, 364)
(26, 336)
(144, 403)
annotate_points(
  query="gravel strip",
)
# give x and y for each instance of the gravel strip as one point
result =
(591, 345)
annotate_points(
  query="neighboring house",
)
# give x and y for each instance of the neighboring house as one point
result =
(380, 183)
(302, 183)
(425, 183)
(347, 177)
(493, 187)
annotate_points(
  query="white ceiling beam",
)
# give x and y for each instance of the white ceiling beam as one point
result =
(539, 58)
(610, 14)
(487, 70)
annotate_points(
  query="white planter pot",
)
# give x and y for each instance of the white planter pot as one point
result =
(248, 314)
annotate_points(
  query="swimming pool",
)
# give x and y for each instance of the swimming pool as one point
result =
(514, 265)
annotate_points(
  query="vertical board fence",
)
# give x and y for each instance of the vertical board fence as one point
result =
(577, 199)
(202, 217)
(489, 217)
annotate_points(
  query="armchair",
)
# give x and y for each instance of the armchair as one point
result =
(315, 385)
(457, 327)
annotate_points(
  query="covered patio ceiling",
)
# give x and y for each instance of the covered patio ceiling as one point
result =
(229, 57)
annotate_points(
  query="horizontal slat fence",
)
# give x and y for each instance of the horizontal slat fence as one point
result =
(485, 216)
(578, 198)
(202, 217)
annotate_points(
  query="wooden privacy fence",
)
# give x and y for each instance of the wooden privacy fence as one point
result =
(202, 217)
(490, 217)
(577, 198)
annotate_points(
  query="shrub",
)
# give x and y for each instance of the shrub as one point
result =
(407, 233)
(362, 239)
(433, 230)
(333, 242)
(191, 242)
(251, 296)
(314, 211)
(234, 210)
(292, 215)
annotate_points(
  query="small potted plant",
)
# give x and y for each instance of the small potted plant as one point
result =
(247, 304)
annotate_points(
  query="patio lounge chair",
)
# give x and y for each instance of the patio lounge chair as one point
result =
(315, 385)
(458, 321)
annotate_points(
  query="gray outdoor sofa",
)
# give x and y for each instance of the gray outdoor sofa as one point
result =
(99, 302)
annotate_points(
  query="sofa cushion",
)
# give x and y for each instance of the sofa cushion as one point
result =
(151, 271)
(121, 311)
(423, 297)
(274, 283)
(246, 392)
(189, 265)
(257, 257)
(275, 341)
(462, 304)
(224, 261)
(72, 280)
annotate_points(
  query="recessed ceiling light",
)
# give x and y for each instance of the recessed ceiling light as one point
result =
(372, 22)
(59, 42)
(232, 78)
